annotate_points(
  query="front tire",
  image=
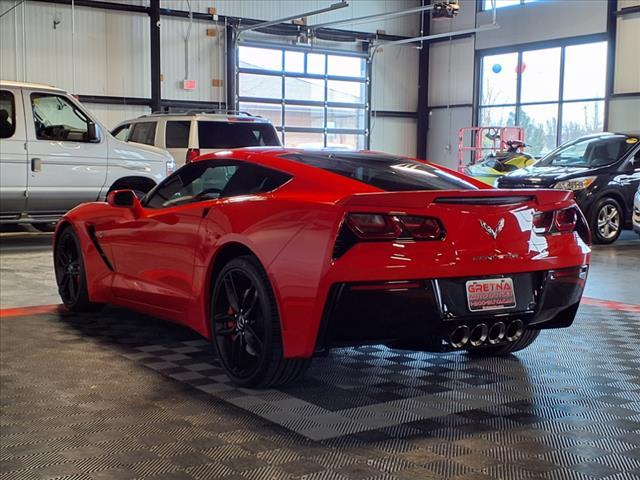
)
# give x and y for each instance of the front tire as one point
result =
(71, 275)
(246, 327)
(527, 338)
(606, 221)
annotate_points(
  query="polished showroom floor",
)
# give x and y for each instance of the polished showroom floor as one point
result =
(117, 395)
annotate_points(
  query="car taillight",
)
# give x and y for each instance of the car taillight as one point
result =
(192, 153)
(543, 222)
(562, 221)
(422, 228)
(378, 226)
(373, 226)
(565, 220)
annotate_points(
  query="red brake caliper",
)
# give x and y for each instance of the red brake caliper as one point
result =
(230, 323)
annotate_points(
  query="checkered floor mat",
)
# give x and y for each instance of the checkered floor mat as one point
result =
(567, 407)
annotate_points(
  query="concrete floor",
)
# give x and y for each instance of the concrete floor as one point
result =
(27, 278)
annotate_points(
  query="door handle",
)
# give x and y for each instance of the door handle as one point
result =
(36, 164)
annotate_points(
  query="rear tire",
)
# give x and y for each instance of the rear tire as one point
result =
(606, 221)
(527, 338)
(246, 327)
(70, 273)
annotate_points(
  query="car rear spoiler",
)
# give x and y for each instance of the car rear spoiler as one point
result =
(421, 199)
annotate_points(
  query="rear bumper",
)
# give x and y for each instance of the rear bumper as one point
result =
(422, 314)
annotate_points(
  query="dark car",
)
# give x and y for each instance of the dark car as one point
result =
(603, 170)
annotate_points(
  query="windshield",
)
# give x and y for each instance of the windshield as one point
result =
(590, 152)
(236, 135)
(386, 172)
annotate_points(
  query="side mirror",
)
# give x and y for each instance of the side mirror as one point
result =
(92, 132)
(123, 199)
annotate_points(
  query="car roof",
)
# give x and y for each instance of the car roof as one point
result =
(39, 86)
(604, 134)
(214, 115)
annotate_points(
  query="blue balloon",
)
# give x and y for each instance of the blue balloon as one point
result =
(497, 68)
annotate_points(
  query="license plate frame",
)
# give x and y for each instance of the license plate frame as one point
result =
(494, 294)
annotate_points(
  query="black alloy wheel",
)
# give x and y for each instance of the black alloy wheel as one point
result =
(246, 327)
(70, 273)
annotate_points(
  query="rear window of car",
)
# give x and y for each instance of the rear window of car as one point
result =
(143, 132)
(177, 134)
(236, 135)
(386, 172)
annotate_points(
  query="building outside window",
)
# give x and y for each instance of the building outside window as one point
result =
(557, 94)
(488, 4)
(314, 99)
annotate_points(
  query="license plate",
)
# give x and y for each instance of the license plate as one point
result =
(490, 294)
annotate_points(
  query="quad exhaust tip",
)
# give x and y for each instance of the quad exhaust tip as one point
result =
(478, 335)
(459, 337)
(514, 330)
(496, 333)
(483, 334)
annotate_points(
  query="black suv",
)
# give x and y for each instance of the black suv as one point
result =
(603, 170)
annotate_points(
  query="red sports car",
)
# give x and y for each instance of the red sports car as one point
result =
(279, 254)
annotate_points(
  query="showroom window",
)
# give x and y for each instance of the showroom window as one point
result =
(488, 4)
(314, 99)
(557, 94)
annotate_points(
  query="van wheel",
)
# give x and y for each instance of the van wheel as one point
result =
(246, 327)
(606, 221)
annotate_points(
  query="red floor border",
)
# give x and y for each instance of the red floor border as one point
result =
(26, 311)
(611, 305)
(42, 309)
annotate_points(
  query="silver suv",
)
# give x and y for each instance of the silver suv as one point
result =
(54, 155)
(187, 135)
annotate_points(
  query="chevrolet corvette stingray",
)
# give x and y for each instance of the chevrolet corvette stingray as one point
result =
(279, 254)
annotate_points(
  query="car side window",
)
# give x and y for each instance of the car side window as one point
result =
(7, 114)
(207, 180)
(121, 132)
(143, 132)
(177, 133)
(56, 118)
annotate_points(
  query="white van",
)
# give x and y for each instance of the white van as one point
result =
(55, 155)
(187, 135)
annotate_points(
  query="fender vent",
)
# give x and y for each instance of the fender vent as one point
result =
(91, 230)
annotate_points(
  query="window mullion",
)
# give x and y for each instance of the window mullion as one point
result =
(560, 97)
(518, 87)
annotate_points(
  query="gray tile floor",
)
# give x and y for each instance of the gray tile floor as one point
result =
(116, 395)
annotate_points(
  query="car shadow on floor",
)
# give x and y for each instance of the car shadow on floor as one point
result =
(351, 391)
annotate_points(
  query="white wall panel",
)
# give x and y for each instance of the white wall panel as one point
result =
(112, 115)
(442, 138)
(451, 72)
(206, 60)
(627, 71)
(395, 79)
(624, 114)
(274, 9)
(394, 135)
(539, 21)
(110, 52)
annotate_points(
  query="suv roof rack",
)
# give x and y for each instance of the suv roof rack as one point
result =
(200, 111)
